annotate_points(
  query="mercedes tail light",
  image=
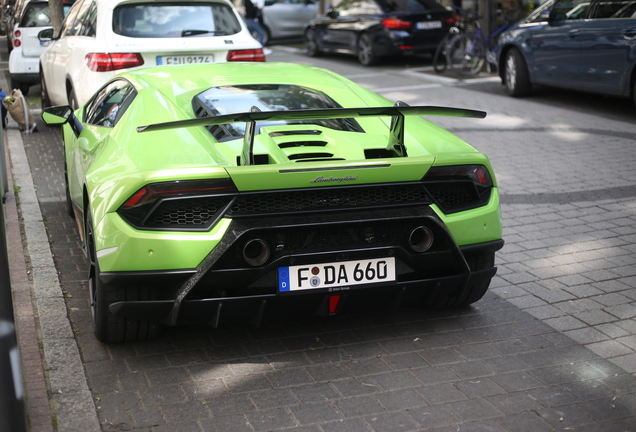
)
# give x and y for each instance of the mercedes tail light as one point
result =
(255, 55)
(106, 62)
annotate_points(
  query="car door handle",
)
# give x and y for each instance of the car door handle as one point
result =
(573, 33)
(629, 33)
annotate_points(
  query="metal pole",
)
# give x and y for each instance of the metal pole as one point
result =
(3, 163)
(12, 412)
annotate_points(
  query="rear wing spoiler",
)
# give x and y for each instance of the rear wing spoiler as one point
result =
(396, 112)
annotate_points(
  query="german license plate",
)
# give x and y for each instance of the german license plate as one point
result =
(336, 274)
(178, 60)
(428, 25)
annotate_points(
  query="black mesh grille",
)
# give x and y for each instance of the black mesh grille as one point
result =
(326, 199)
(193, 211)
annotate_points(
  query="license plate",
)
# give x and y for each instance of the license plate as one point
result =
(336, 274)
(177, 60)
(428, 25)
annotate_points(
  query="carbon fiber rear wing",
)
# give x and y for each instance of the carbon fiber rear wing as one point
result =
(396, 112)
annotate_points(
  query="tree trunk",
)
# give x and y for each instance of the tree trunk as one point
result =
(57, 14)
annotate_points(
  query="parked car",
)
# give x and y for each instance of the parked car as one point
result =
(580, 45)
(230, 191)
(24, 59)
(100, 38)
(372, 29)
(287, 18)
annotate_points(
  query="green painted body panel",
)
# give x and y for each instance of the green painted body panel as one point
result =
(108, 165)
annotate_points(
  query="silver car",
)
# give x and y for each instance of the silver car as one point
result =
(287, 18)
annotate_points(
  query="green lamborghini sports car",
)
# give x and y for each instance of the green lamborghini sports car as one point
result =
(242, 191)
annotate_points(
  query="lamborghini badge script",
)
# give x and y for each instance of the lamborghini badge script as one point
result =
(322, 179)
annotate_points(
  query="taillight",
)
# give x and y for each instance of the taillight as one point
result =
(105, 62)
(254, 55)
(16, 38)
(477, 173)
(452, 21)
(396, 24)
(152, 192)
(459, 187)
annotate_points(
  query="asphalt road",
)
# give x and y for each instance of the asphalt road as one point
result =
(552, 346)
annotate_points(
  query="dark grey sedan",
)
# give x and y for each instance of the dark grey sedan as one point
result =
(587, 45)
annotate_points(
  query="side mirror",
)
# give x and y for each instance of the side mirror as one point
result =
(60, 115)
(332, 13)
(46, 35)
(57, 115)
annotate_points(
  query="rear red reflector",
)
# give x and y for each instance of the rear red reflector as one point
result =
(255, 55)
(452, 21)
(105, 62)
(16, 42)
(334, 300)
(133, 200)
(396, 24)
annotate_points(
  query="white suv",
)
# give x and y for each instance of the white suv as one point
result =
(24, 59)
(100, 38)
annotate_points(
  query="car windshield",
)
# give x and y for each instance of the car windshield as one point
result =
(268, 97)
(178, 19)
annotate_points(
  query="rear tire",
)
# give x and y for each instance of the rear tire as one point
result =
(267, 35)
(45, 101)
(516, 75)
(23, 87)
(69, 202)
(465, 56)
(108, 327)
(311, 44)
(365, 52)
(72, 100)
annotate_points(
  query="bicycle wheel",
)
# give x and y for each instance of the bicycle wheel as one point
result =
(439, 58)
(465, 55)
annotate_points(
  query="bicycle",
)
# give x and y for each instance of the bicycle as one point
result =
(439, 58)
(466, 53)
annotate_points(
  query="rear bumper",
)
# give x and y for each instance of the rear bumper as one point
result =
(28, 78)
(255, 308)
(223, 288)
(24, 69)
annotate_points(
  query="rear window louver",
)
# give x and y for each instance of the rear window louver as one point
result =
(302, 144)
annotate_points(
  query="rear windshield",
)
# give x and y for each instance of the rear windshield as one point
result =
(412, 5)
(266, 97)
(38, 15)
(178, 19)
